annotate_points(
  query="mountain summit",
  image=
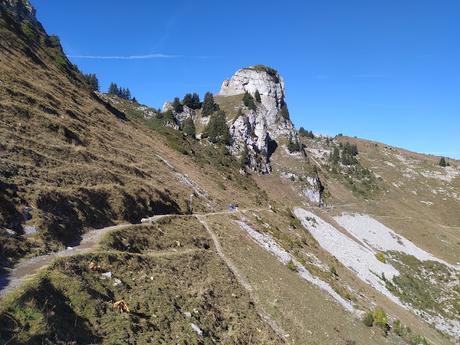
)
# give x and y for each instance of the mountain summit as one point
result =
(264, 116)
(270, 86)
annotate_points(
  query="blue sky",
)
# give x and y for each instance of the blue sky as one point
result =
(383, 70)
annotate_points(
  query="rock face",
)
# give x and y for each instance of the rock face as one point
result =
(254, 132)
(314, 192)
(271, 89)
(21, 9)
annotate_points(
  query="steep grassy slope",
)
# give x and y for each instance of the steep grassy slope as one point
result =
(71, 161)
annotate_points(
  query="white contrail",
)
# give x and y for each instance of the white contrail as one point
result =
(129, 57)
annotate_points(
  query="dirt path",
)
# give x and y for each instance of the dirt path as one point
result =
(29, 268)
(241, 279)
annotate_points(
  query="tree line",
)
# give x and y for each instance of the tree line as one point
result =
(121, 92)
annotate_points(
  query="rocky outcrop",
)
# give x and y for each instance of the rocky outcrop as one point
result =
(314, 190)
(270, 86)
(180, 116)
(20, 9)
(254, 132)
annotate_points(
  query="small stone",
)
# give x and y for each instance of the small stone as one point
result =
(197, 329)
(106, 275)
(10, 232)
(29, 230)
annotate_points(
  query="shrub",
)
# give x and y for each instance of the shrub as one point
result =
(271, 71)
(248, 101)
(418, 340)
(443, 162)
(333, 271)
(54, 50)
(293, 146)
(284, 112)
(380, 318)
(291, 265)
(398, 328)
(189, 127)
(368, 319)
(29, 31)
(257, 96)
(244, 159)
(217, 130)
(381, 257)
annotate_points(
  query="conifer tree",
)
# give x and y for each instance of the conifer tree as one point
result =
(196, 103)
(113, 89)
(293, 145)
(92, 81)
(443, 162)
(335, 157)
(187, 100)
(177, 105)
(217, 130)
(209, 106)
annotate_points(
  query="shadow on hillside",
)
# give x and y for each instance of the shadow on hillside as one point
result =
(45, 304)
(271, 147)
(120, 115)
(4, 278)
(67, 215)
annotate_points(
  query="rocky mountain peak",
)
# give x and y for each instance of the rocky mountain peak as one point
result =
(261, 126)
(270, 86)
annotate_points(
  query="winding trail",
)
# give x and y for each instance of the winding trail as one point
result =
(27, 269)
(241, 279)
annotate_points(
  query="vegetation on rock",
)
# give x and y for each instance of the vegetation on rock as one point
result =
(188, 127)
(217, 130)
(248, 101)
(284, 112)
